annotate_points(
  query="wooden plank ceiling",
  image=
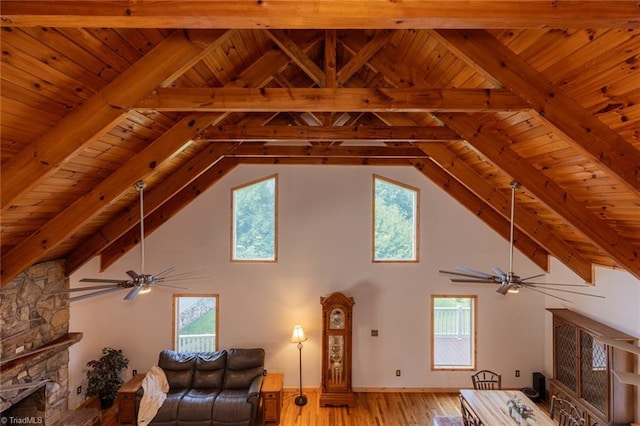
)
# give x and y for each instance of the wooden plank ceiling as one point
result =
(96, 95)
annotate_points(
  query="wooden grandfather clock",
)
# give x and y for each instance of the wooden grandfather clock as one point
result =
(337, 312)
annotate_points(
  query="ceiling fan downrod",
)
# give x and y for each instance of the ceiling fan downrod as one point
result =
(512, 278)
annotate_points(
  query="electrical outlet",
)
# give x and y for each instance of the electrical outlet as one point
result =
(78, 390)
(134, 373)
(374, 333)
(517, 373)
(398, 373)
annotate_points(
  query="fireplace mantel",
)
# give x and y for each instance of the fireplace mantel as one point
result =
(40, 353)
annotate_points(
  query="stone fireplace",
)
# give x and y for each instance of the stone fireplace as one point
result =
(34, 342)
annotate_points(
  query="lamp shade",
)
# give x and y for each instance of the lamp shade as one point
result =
(298, 335)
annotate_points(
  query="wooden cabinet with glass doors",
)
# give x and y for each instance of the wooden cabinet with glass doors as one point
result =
(582, 369)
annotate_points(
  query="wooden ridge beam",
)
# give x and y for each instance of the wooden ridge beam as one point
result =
(328, 134)
(337, 14)
(558, 110)
(92, 203)
(98, 114)
(331, 100)
(496, 148)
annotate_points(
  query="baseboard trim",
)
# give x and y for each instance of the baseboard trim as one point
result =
(382, 390)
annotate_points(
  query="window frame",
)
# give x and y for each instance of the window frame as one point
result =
(174, 318)
(473, 332)
(416, 230)
(232, 252)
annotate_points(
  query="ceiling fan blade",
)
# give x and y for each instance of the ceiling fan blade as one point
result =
(532, 277)
(565, 285)
(528, 287)
(169, 269)
(474, 272)
(133, 293)
(564, 291)
(468, 280)
(97, 293)
(101, 280)
(132, 274)
(171, 286)
(183, 274)
(460, 274)
(499, 272)
(504, 288)
(71, 290)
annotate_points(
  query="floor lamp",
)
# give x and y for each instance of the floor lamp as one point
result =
(298, 337)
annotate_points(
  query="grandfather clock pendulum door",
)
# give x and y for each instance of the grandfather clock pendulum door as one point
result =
(337, 312)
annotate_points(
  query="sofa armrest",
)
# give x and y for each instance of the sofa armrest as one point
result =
(253, 395)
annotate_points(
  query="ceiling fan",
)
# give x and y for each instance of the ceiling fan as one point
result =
(137, 283)
(509, 282)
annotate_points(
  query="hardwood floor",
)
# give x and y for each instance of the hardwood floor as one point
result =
(371, 409)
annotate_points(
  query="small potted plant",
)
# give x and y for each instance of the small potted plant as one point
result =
(103, 376)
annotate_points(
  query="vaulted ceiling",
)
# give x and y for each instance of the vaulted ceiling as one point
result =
(96, 95)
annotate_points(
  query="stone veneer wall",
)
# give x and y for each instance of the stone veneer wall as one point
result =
(29, 319)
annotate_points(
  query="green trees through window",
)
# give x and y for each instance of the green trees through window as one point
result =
(254, 221)
(395, 221)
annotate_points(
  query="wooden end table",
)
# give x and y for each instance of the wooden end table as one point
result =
(272, 397)
(127, 400)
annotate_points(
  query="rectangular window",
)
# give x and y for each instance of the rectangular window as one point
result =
(453, 332)
(254, 233)
(195, 318)
(395, 221)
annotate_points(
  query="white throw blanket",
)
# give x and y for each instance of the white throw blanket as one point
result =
(155, 387)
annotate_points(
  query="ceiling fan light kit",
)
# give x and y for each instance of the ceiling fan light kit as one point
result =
(138, 283)
(510, 282)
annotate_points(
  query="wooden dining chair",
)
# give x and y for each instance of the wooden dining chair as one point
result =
(566, 413)
(486, 380)
(469, 417)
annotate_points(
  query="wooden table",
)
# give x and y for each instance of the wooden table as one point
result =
(491, 407)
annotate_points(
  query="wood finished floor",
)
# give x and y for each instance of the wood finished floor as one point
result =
(371, 409)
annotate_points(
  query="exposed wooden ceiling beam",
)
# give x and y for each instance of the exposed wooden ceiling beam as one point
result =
(336, 14)
(153, 199)
(528, 223)
(298, 56)
(98, 114)
(328, 134)
(489, 216)
(487, 204)
(557, 109)
(110, 189)
(336, 100)
(363, 55)
(326, 151)
(494, 147)
(167, 210)
(330, 63)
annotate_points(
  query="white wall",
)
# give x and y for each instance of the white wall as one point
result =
(325, 246)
